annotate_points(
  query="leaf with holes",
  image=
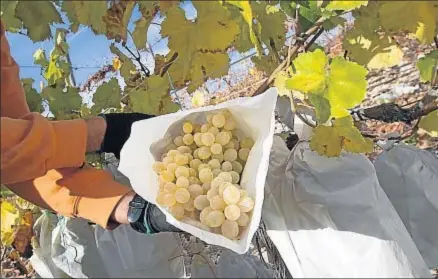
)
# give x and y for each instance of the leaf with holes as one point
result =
(88, 13)
(429, 123)
(428, 66)
(11, 22)
(33, 98)
(116, 20)
(127, 64)
(273, 32)
(107, 95)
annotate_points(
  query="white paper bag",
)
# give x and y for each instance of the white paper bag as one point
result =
(254, 116)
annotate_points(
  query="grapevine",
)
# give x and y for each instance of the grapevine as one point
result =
(280, 38)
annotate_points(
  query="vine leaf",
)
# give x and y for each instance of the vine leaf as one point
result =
(153, 98)
(37, 16)
(345, 5)
(322, 107)
(127, 64)
(429, 123)
(10, 218)
(427, 66)
(117, 19)
(53, 72)
(62, 101)
(33, 98)
(11, 22)
(39, 58)
(88, 13)
(107, 95)
(343, 135)
(139, 35)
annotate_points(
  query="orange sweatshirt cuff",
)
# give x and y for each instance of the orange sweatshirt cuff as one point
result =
(70, 144)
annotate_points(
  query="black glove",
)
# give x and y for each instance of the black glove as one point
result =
(118, 130)
(156, 220)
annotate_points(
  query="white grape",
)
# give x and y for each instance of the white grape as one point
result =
(243, 193)
(194, 180)
(230, 229)
(169, 199)
(194, 164)
(195, 190)
(229, 124)
(173, 152)
(197, 139)
(247, 143)
(214, 130)
(230, 145)
(196, 153)
(177, 211)
(193, 146)
(218, 120)
(203, 166)
(226, 113)
(244, 153)
(202, 202)
(169, 188)
(178, 141)
(182, 171)
(167, 176)
(223, 138)
(204, 214)
(217, 203)
(193, 172)
(182, 195)
(188, 139)
(237, 167)
(220, 157)
(206, 186)
(226, 177)
(159, 167)
(216, 148)
(189, 156)
(182, 182)
(205, 175)
(215, 219)
(212, 193)
(230, 155)
(167, 160)
(209, 118)
(222, 188)
(232, 212)
(204, 153)
(189, 205)
(243, 219)
(187, 127)
(246, 204)
(217, 182)
(231, 195)
(181, 160)
(235, 177)
(160, 198)
(183, 149)
(214, 164)
(205, 127)
(196, 128)
(170, 147)
(216, 172)
(207, 139)
(226, 166)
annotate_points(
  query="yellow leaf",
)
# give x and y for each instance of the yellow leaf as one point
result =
(9, 219)
(198, 99)
(117, 63)
(325, 141)
(429, 123)
(345, 5)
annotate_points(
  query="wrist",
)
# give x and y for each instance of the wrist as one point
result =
(120, 212)
(96, 128)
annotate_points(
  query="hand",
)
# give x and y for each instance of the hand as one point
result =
(118, 130)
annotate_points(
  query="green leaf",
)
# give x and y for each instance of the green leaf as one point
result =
(33, 98)
(265, 63)
(272, 26)
(345, 5)
(429, 123)
(427, 66)
(322, 107)
(11, 22)
(37, 16)
(39, 58)
(127, 64)
(333, 22)
(88, 13)
(107, 95)
(310, 73)
(153, 98)
(62, 101)
(347, 86)
(142, 24)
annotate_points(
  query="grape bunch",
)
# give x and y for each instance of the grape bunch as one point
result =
(199, 175)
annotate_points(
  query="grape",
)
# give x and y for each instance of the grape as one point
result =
(229, 124)
(167, 160)
(209, 118)
(214, 219)
(182, 182)
(216, 148)
(167, 176)
(181, 160)
(188, 139)
(201, 202)
(182, 171)
(172, 153)
(204, 214)
(244, 153)
(189, 205)
(193, 146)
(226, 113)
(232, 212)
(222, 187)
(212, 193)
(178, 141)
(230, 145)
(231, 195)
(195, 190)
(170, 147)
(226, 166)
(160, 199)
(169, 188)
(243, 220)
(235, 177)
(217, 182)
(230, 134)
(247, 143)
(218, 120)
(194, 180)
(205, 175)
(223, 138)
(203, 166)
(189, 156)
(177, 211)
(193, 172)
(226, 177)
(196, 128)
(246, 204)
(204, 153)
(205, 127)
(237, 167)
(220, 157)
(230, 229)
(216, 172)
(243, 193)
(196, 153)
(217, 203)
(159, 167)
(169, 199)
(230, 155)
(213, 130)
(194, 164)
(207, 139)
(206, 187)
(214, 164)
(182, 195)
(197, 139)
(187, 127)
